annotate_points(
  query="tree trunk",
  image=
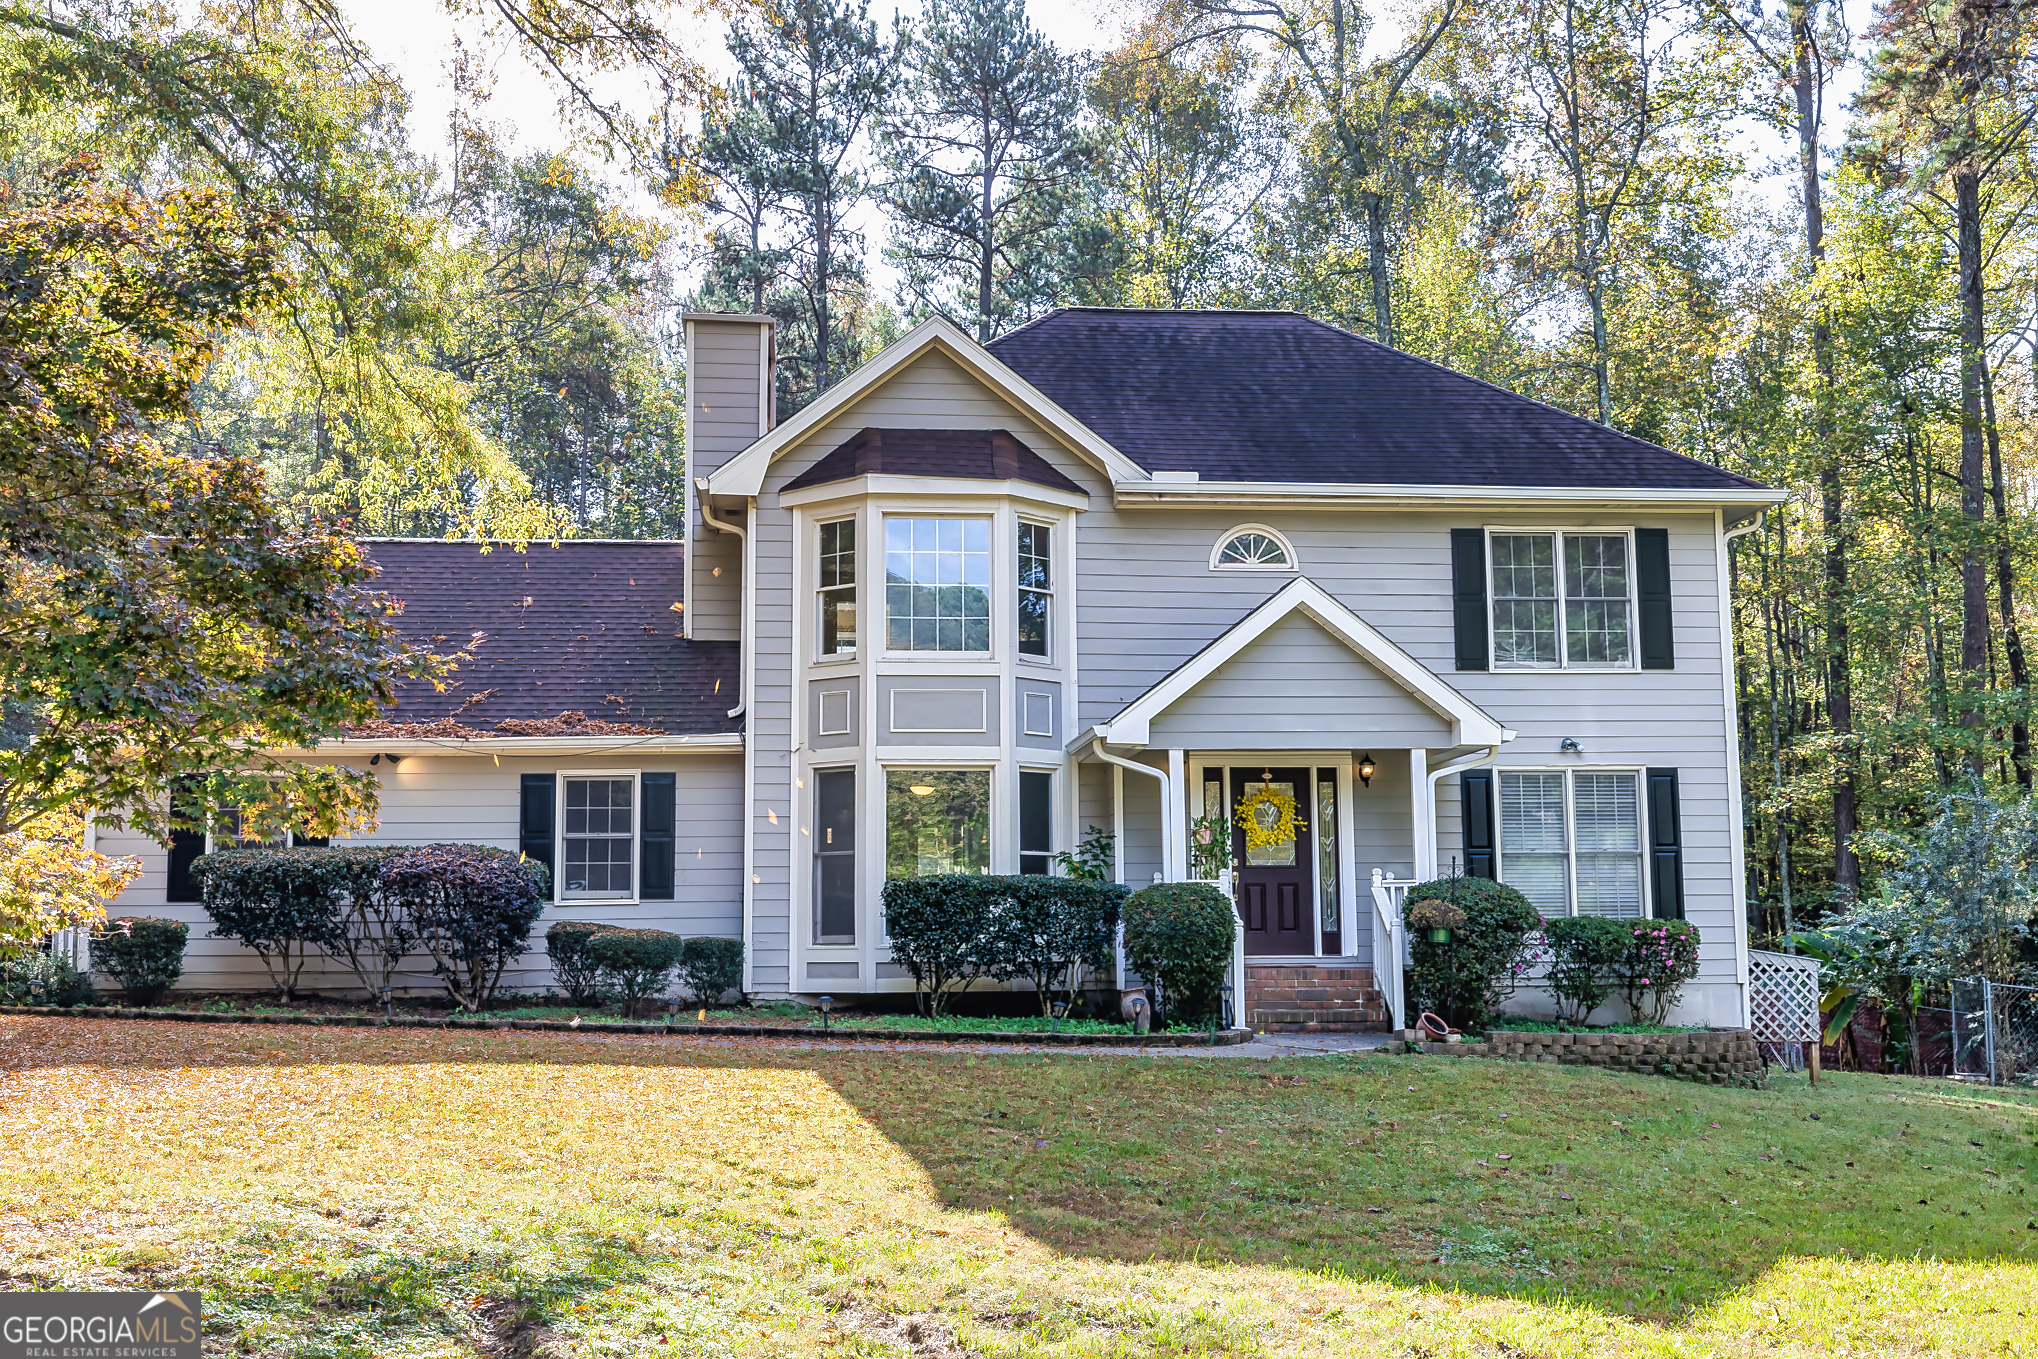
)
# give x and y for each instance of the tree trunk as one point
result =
(1376, 265)
(1973, 483)
(1839, 662)
(2006, 591)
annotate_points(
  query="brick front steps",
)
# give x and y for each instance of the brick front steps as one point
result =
(1714, 1057)
(1187, 1039)
(1312, 998)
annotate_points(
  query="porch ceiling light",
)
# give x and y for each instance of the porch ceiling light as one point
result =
(920, 789)
(1367, 769)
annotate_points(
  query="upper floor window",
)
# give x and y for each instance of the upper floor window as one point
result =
(1252, 547)
(1036, 587)
(937, 584)
(838, 588)
(1562, 599)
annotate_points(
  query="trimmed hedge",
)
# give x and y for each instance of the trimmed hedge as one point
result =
(577, 971)
(281, 903)
(1178, 936)
(1464, 980)
(950, 930)
(638, 963)
(145, 954)
(472, 906)
(711, 968)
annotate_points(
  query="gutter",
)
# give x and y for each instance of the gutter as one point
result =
(1387, 494)
(1436, 776)
(706, 744)
(707, 508)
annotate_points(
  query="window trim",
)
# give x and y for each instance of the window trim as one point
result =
(1563, 661)
(1640, 773)
(1021, 522)
(987, 517)
(636, 777)
(855, 588)
(1225, 539)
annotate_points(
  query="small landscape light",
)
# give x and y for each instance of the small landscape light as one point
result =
(825, 1003)
(1224, 1000)
(1058, 1008)
(1367, 769)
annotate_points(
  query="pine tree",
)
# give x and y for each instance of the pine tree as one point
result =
(987, 158)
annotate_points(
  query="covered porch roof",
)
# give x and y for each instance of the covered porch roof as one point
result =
(1301, 671)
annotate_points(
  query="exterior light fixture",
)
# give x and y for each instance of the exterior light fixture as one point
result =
(1060, 1008)
(920, 789)
(1139, 1016)
(1367, 769)
(389, 1003)
(826, 1003)
(1569, 746)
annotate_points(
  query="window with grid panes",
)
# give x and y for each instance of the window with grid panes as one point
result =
(601, 838)
(1036, 587)
(937, 584)
(838, 588)
(1561, 599)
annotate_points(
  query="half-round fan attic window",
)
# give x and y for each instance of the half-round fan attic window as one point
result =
(1252, 547)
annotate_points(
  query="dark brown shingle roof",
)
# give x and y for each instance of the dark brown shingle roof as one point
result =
(568, 626)
(1278, 396)
(979, 454)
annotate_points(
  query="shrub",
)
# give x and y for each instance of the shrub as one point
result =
(472, 907)
(1178, 936)
(282, 903)
(39, 978)
(1052, 931)
(143, 953)
(636, 964)
(1657, 958)
(941, 929)
(1583, 952)
(711, 968)
(375, 934)
(1463, 980)
(572, 964)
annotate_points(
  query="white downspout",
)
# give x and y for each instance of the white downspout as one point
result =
(1429, 805)
(707, 508)
(1168, 873)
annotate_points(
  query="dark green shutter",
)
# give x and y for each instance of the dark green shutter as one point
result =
(1477, 787)
(1666, 846)
(185, 848)
(654, 881)
(1652, 594)
(534, 822)
(1468, 596)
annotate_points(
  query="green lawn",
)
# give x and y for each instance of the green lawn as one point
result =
(365, 1192)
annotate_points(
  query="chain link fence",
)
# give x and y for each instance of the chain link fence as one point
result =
(1998, 1041)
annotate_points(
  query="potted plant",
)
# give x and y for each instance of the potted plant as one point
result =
(1436, 918)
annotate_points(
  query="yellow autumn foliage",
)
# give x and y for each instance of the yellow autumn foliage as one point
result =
(53, 882)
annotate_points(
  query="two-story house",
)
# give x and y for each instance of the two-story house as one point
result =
(1116, 571)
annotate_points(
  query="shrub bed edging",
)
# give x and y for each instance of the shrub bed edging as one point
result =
(1225, 1037)
(1714, 1056)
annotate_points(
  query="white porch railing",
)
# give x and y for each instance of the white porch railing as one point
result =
(1390, 942)
(1234, 975)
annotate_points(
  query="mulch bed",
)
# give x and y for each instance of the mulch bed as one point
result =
(1187, 1039)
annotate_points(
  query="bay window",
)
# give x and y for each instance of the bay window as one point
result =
(937, 584)
(837, 593)
(937, 821)
(1036, 587)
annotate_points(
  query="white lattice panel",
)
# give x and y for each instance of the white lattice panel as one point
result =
(1783, 997)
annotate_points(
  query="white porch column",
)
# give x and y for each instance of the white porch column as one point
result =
(1175, 839)
(1424, 815)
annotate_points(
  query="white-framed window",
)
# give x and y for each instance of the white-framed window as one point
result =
(937, 821)
(1562, 598)
(835, 595)
(937, 584)
(1036, 587)
(1571, 839)
(1252, 547)
(598, 824)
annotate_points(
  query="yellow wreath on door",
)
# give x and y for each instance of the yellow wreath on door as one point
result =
(1275, 825)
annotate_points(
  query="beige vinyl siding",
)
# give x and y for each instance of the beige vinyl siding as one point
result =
(723, 418)
(470, 800)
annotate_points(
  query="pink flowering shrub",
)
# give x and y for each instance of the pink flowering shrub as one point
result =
(1650, 973)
